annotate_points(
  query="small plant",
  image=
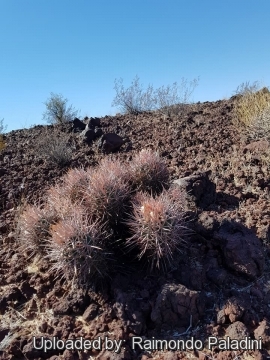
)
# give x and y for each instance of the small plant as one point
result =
(113, 168)
(148, 172)
(133, 100)
(55, 147)
(158, 228)
(77, 250)
(33, 229)
(57, 111)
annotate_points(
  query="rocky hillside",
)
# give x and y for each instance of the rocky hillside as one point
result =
(220, 284)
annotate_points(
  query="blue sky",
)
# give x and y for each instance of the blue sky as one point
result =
(78, 48)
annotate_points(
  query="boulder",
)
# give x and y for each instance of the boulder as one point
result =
(175, 304)
(234, 309)
(201, 191)
(241, 248)
(263, 332)
(93, 122)
(260, 146)
(78, 125)
(237, 331)
(110, 142)
(98, 132)
(88, 136)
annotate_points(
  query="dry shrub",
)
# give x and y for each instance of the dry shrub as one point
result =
(134, 99)
(252, 110)
(247, 88)
(171, 99)
(56, 147)
(168, 99)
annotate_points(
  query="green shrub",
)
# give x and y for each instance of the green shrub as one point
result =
(57, 111)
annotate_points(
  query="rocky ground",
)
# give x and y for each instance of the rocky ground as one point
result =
(221, 284)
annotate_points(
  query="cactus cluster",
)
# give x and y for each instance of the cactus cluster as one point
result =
(75, 227)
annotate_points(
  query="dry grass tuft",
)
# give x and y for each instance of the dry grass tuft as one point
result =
(2, 143)
(252, 110)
